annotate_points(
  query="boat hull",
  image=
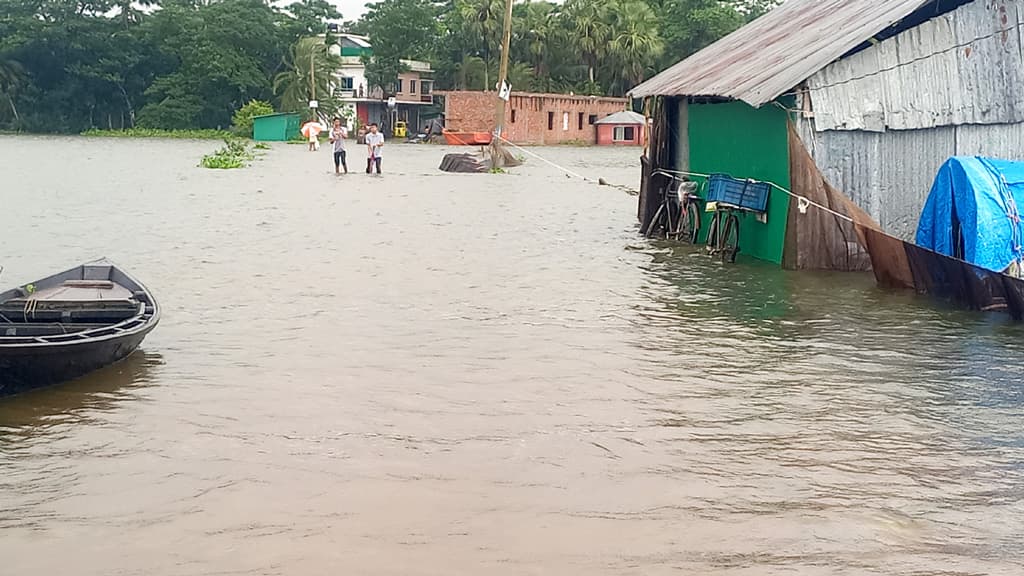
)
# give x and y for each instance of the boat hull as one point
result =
(70, 324)
(467, 138)
(26, 369)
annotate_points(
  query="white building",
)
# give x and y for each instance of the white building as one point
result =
(412, 91)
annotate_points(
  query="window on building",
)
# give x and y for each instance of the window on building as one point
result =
(398, 86)
(579, 123)
(412, 86)
(346, 83)
(624, 134)
(592, 119)
(565, 121)
(425, 87)
(513, 116)
(551, 120)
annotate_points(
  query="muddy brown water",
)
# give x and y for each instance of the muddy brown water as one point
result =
(439, 374)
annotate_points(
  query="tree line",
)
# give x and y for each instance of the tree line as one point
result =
(72, 65)
(599, 47)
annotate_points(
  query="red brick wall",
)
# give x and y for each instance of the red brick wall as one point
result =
(526, 115)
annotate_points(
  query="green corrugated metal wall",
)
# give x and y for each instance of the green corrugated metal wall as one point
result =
(746, 142)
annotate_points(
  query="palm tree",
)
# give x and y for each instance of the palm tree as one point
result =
(535, 30)
(483, 20)
(635, 43)
(294, 86)
(12, 77)
(523, 75)
(588, 20)
(470, 72)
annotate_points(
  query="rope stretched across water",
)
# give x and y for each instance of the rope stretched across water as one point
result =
(599, 181)
(803, 201)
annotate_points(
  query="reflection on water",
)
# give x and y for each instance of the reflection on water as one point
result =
(73, 402)
(458, 374)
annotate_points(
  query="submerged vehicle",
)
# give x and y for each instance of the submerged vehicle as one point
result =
(72, 323)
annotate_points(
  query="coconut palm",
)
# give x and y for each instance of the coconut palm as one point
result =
(470, 72)
(483, 21)
(535, 30)
(588, 20)
(635, 44)
(294, 87)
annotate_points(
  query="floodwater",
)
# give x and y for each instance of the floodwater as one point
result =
(436, 374)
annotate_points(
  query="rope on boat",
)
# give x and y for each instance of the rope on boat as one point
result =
(30, 308)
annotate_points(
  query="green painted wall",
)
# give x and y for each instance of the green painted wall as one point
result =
(746, 142)
(277, 127)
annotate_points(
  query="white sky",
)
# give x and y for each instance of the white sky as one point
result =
(350, 10)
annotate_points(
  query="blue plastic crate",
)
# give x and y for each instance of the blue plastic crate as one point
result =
(748, 194)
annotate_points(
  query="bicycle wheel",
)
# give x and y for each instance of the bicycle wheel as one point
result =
(731, 239)
(713, 230)
(655, 223)
(689, 225)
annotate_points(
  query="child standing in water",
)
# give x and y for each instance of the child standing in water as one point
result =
(338, 135)
(374, 142)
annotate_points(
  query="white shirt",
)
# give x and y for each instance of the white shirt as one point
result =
(375, 140)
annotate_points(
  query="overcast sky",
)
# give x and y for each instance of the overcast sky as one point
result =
(351, 9)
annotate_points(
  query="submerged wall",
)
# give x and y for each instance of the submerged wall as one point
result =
(889, 174)
(885, 119)
(531, 118)
(745, 142)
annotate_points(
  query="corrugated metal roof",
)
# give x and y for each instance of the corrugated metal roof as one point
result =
(624, 117)
(779, 50)
(965, 67)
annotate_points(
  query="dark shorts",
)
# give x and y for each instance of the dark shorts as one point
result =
(339, 157)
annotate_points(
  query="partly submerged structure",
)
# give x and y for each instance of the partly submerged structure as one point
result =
(624, 128)
(411, 97)
(869, 86)
(869, 97)
(531, 118)
(972, 213)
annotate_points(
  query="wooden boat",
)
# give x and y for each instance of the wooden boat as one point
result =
(467, 138)
(65, 326)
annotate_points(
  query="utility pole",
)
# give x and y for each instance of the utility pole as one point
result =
(506, 40)
(499, 113)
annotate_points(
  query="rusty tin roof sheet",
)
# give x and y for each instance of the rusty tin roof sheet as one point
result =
(779, 50)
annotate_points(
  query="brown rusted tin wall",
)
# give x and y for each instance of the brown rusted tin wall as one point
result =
(817, 239)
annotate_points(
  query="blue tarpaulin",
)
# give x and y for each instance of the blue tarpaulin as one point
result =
(972, 212)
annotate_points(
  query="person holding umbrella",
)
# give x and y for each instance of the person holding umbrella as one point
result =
(312, 130)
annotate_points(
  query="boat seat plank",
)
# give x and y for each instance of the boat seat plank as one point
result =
(82, 290)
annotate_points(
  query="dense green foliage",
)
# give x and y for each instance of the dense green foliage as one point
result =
(207, 134)
(241, 121)
(584, 46)
(234, 154)
(75, 65)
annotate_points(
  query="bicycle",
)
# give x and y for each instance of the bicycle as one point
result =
(678, 216)
(724, 233)
(728, 197)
